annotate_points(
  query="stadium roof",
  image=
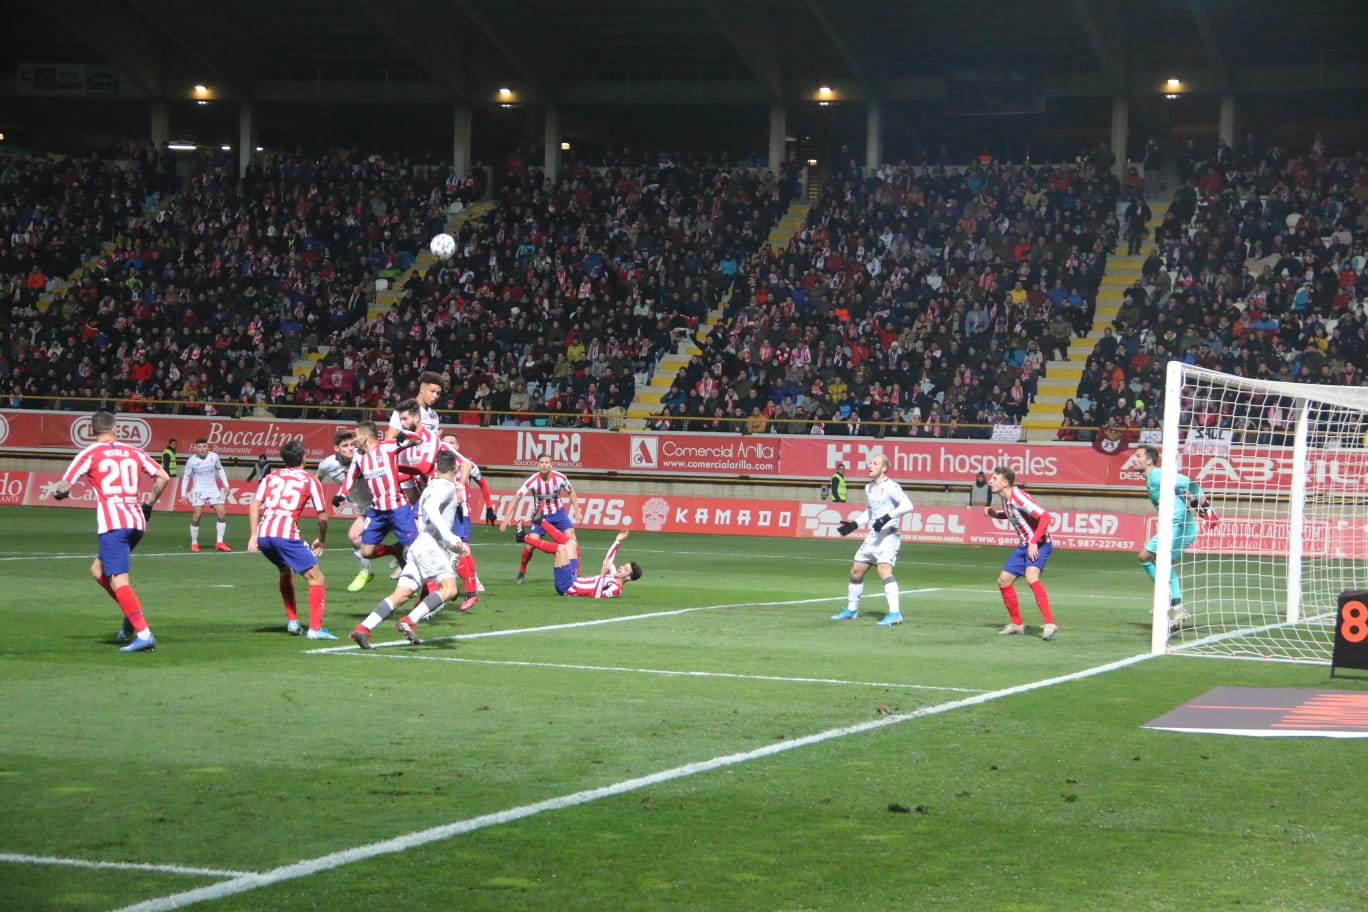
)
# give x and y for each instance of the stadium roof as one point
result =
(675, 51)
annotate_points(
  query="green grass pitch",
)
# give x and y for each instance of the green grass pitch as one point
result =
(710, 741)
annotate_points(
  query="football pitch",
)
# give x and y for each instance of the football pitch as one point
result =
(709, 741)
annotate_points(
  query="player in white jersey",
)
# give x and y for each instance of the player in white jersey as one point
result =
(205, 482)
(430, 386)
(467, 472)
(885, 504)
(334, 469)
(275, 510)
(427, 557)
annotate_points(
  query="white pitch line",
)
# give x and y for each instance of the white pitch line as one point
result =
(597, 622)
(665, 672)
(120, 866)
(312, 866)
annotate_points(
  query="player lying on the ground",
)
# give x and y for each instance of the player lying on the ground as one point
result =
(610, 579)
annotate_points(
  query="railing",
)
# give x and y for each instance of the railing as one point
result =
(604, 419)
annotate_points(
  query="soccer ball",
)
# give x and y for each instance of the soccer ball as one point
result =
(443, 246)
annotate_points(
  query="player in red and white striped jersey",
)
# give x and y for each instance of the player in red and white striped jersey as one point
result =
(112, 469)
(417, 448)
(610, 579)
(1031, 522)
(376, 466)
(274, 514)
(555, 503)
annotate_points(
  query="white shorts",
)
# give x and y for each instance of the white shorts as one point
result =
(880, 548)
(425, 559)
(201, 499)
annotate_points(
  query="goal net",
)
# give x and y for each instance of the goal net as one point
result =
(1286, 471)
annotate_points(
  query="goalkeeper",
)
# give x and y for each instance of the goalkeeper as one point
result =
(1192, 505)
(885, 504)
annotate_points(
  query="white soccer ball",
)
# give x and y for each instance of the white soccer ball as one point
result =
(443, 246)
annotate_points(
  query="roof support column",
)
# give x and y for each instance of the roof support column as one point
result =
(873, 136)
(553, 142)
(161, 123)
(1120, 131)
(1225, 129)
(778, 135)
(246, 136)
(460, 142)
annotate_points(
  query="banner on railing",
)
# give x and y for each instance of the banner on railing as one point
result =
(765, 456)
(1081, 530)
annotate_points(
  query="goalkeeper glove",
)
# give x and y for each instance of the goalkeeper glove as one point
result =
(337, 500)
(147, 511)
(847, 527)
(1204, 511)
(881, 522)
(490, 516)
(61, 495)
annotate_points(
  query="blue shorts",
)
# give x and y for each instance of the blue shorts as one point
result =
(116, 550)
(461, 527)
(288, 553)
(565, 576)
(1019, 561)
(560, 519)
(1184, 534)
(381, 522)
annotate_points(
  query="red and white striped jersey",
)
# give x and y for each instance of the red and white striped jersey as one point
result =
(548, 492)
(605, 585)
(379, 471)
(462, 490)
(415, 459)
(1030, 520)
(113, 469)
(282, 497)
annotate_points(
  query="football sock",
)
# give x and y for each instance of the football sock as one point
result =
(853, 592)
(430, 586)
(1042, 601)
(194, 533)
(382, 550)
(542, 544)
(104, 584)
(427, 607)
(526, 556)
(219, 530)
(1009, 598)
(1148, 567)
(465, 569)
(132, 608)
(382, 610)
(363, 561)
(554, 534)
(894, 596)
(287, 595)
(1175, 588)
(317, 595)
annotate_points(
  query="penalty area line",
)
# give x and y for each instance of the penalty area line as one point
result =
(665, 672)
(408, 841)
(119, 866)
(597, 622)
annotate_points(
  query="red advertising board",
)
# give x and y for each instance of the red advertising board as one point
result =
(800, 458)
(1073, 529)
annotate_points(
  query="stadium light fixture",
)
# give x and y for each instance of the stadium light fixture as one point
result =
(824, 92)
(565, 147)
(1173, 83)
(226, 148)
(182, 146)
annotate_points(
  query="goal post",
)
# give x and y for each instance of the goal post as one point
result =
(1285, 466)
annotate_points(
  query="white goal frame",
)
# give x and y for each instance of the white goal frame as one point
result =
(1248, 592)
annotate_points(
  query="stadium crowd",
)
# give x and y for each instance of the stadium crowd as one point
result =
(916, 301)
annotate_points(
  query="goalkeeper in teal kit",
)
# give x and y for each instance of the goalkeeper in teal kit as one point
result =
(1192, 505)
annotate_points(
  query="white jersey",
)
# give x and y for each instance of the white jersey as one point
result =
(883, 498)
(437, 511)
(203, 476)
(427, 418)
(332, 469)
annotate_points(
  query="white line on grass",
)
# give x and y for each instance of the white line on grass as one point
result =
(596, 622)
(309, 867)
(119, 865)
(681, 674)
